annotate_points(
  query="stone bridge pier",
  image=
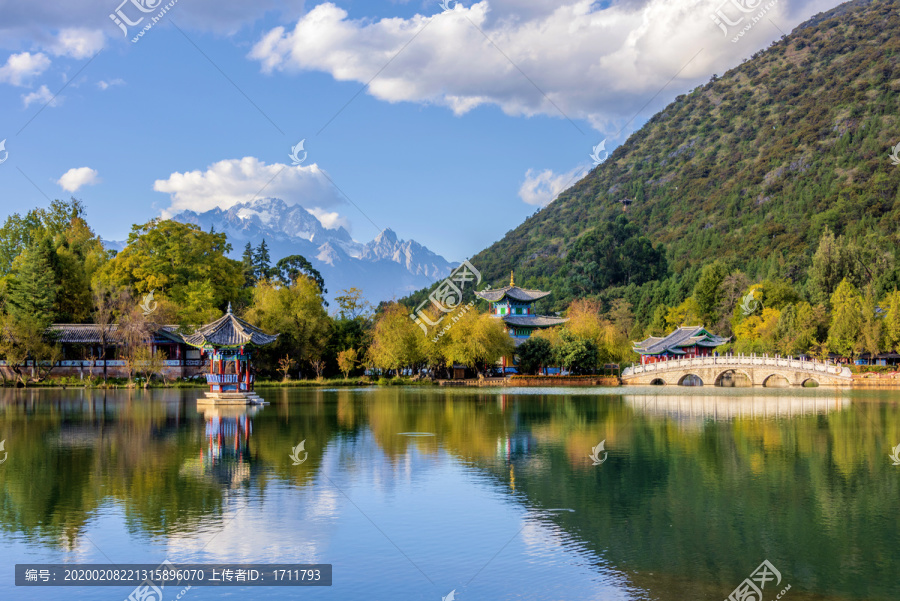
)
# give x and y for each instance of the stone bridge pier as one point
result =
(758, 370)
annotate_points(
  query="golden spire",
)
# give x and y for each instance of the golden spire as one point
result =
(512, 278)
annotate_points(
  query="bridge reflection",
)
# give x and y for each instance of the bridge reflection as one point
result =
(724, 407)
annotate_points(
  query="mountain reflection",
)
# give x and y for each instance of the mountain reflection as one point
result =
(697, 488)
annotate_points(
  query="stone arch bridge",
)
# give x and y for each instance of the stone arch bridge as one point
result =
(759, 370)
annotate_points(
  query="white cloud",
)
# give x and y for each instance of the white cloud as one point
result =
(105, 85)
(23, 66)
(541, 188)
(77, 42)
(593, 62)
(228, 182)
(42, 96)
(331, 221)
(75, 178)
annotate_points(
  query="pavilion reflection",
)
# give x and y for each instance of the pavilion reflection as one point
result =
(226, 458)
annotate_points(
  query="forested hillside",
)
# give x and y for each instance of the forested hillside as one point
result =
(753, 172)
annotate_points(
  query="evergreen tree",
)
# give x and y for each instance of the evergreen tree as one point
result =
(247, 267)
(262, 262)
(892, 322)
(33, 287)
(846, 320)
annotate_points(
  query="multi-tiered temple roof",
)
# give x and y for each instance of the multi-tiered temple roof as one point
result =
(512, 304)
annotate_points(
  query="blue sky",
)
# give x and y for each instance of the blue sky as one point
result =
(454, 143)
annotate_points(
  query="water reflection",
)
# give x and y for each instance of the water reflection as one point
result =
(801, 478)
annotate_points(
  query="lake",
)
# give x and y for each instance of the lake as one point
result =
(411, 493)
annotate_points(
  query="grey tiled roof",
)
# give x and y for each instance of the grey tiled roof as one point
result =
(229, 331)
(534, 321)
(513, 292)
(89, 333)
(682, 337)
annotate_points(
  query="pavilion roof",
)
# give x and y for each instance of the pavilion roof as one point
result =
(534, 321)
(89, 333)
(682, 337)
(514, 292)
(229, 331)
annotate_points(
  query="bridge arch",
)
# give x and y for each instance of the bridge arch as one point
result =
(810, 383)
(776, 380)
(733, 378)
(657, 382)
(690, 379)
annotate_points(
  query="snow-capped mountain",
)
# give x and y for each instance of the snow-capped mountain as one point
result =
(384, 269)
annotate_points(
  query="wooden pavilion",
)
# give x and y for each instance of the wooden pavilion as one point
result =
(228, 343)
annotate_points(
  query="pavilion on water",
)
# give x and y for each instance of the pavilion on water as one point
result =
(514, 306)
(228, 343)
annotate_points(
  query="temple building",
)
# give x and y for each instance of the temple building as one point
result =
(514, 306)
(683, 343)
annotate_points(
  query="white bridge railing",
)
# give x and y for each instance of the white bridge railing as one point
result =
(750, 361)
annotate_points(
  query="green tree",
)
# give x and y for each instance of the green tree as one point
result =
(576, 354)
(872, 327)
(708, 291)
(534, 354)
(297, 314)
(173, 259)
(33, 288)
(396, 340)
(892, 322)
(262, 262)
(247, 267)
(835, 260)
(846, 320)
(290, 267)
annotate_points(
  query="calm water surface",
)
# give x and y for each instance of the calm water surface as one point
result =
(412, 493)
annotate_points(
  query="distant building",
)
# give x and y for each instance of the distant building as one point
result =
(683, 343)
(514, 306)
